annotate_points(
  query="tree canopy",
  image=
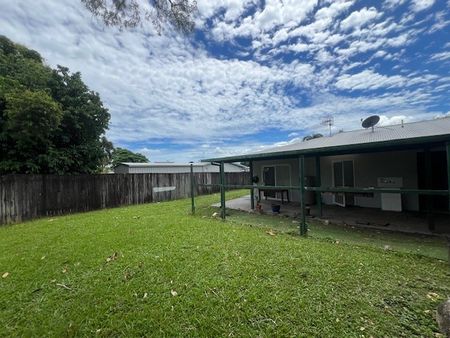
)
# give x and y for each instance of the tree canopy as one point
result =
(50, 121)
(131, 13)
(120, 155)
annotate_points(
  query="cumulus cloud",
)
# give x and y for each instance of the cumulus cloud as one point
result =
(255, 68)
(368, 79)
(420, 5)
(360, 18)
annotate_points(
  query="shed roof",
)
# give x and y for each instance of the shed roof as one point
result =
(421, 132)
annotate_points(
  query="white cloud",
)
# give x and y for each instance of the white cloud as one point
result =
(441, 56)
(170, 89)
(359, 18)
(368, 79)
(395, 119)
(420, 5)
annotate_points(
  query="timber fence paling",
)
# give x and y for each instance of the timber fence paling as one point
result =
(25, 197)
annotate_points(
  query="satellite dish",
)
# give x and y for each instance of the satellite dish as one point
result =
(371, 121)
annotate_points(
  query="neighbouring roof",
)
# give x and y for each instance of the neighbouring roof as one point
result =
(437, 130)
(169, 164)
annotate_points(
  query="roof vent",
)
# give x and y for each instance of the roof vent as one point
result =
(370, 122)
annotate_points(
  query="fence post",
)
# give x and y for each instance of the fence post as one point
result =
(192, 189)
(222, 189)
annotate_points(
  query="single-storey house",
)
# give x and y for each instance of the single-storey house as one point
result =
(172, 168)
(395, 168)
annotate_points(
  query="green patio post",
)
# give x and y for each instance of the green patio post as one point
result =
(303, 226)
(429, 184)
(192, 188)
(222, 190)
(318, 184)
(448, 173)
(252, 191)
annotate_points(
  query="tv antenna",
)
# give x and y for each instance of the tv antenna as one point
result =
(328, 121)
(370, 122)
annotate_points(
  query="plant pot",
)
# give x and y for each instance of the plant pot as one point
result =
(276, 208)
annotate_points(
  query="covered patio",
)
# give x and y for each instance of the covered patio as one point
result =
(395, 177)
(406, 222)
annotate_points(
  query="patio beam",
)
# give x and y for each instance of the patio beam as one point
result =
(318, 184)
(222, 190)
(303, 226)
(332, 189)
(252, 190)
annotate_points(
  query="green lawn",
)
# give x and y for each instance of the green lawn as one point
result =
(155, 270)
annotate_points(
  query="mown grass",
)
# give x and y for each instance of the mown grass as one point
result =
(173, 274)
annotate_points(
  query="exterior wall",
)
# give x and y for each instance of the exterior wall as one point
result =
(367, 168)
(294, 170)
(209, 168)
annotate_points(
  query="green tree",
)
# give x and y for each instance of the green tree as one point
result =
(30, 120)
(61, 119)
(120, 155)
(131, 13)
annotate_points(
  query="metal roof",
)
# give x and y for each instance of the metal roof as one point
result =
(170, 164)
(436, 130)
(161, 164)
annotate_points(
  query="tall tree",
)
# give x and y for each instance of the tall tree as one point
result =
(50, 121)
(120, 155)
(131, 13)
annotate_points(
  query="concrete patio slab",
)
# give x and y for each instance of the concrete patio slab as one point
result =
(408, 222)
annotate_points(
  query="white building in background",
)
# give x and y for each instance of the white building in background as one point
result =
(172, 168)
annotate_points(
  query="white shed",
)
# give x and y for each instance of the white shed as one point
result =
(172, 168)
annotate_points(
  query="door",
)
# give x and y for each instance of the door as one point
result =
(269, 179)
(343, 176)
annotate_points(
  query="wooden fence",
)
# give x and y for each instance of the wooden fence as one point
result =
(25, 197)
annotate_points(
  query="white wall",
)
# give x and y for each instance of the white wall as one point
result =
(209, 168)
(367, 168)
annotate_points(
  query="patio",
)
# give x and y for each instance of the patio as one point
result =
(407, 222)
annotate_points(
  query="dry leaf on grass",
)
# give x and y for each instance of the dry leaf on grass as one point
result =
(271, 232)
(6, 274)
(113, 257)
(433, 296)
(64, 286)
(173, 293)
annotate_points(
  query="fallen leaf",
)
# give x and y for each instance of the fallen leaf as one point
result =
(6, 274)
(64, 270)
(63, 286)
(173, 293)
(433, 296)
(145, 295)
(271, 232)
(113, 257)
(98, 331)
(43, 257)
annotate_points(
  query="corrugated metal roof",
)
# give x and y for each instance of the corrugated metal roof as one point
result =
(380, 135)
(156, 165)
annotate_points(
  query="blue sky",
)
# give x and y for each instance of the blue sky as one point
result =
(254, 74)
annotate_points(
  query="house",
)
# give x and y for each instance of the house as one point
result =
(396, 168)
(171, 168)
